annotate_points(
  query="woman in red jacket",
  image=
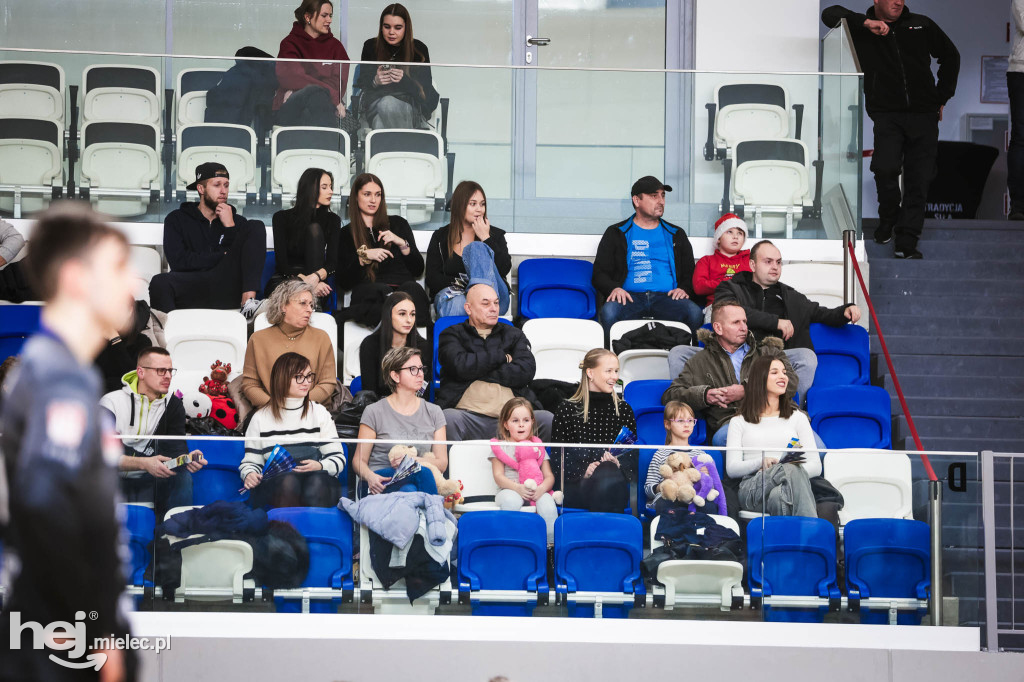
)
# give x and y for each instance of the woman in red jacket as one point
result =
(310, 94)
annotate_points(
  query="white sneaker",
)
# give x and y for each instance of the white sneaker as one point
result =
(251, 308)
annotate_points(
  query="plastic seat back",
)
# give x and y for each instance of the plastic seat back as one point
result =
(294, 149)
(354, 334)
(556, 287)
(644, 396)
(851, 416)
(844, 355)
(146, 263)
(234, 146)
(469, 462)
(412, 165)
(820, 282)
(32, 90)
(196, 337)
(888, 558)
(750, 111)
(502, 550)
(17, 323)
(328, 533)
(874, 483)
(771, 173)
(121, 156)
(31, 154)
(139, 521)
(190, 96)
(121, 92)
(597, 552)
(559, 345)
(219, 479)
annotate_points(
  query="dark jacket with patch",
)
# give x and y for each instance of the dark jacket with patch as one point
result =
(467, 357)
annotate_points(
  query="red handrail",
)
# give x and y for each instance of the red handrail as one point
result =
(888, 360)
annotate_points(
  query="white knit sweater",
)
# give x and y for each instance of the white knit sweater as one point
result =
(265, 432)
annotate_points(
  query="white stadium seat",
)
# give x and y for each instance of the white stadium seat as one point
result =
(876, 484)
(749, 111)
(218, 566)
(822, 283)
(413, 167)
(121, 92)
(198, 337)
(233, 146)
(559, 345)
(641, 363)
(294, 149)
(700, 578)
(32, 90)
(190, 95)
(771, 178)
(146, 263)
(394, 599)
(32, 159)
(121, 156)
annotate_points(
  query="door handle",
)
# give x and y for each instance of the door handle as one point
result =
(540, 42)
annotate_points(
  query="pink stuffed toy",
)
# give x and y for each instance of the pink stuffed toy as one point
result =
(526, 462)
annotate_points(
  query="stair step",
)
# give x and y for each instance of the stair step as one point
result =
(969, 367)
(928, 304)
(983, 326)
(933, 406)
(966, 230)
(963, 427)
(932, 286)
(965, 270)
(964, 444)
(952, 345)
(934, 250)
(958, 387)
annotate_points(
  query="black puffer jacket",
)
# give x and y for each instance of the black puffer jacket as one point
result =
(898, 66)
(467, 357)
(800, 310)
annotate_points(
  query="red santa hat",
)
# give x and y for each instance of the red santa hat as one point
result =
(726, 222)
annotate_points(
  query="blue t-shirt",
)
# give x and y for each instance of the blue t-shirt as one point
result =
(649, 259)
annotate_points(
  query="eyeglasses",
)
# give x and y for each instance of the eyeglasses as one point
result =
(415, 371)
(687, 421)
(161, 371)
(305, 378)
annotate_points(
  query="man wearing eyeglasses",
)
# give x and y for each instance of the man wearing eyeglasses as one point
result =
(143, 409)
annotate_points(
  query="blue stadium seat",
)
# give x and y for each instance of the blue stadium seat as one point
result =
(356, 385)
(219, 479)
(888, 558)
(844, 355)
(851, 416)
(644, 396)
(328, 532)
(597, 561)
(556, 287)
(139, 521)
(504, 551)
(17, 323)
(269, 266)
(646, 455)
(792, 556)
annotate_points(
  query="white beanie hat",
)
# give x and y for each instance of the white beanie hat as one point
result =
(727, 222)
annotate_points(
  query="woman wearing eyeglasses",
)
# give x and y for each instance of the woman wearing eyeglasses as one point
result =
(401, 417)
(301, 427)
(289, 310)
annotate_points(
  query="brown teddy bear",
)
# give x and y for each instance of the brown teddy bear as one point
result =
(451, 491)
(679, 477)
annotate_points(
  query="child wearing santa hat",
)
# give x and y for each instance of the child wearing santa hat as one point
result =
(726, 261)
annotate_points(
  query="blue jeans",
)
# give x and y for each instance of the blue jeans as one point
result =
(479, 261)
(656, 305)
(422, 481)
(1015, 156)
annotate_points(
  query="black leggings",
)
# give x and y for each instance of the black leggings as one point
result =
(310, 106)
(307, 489)
(607, 490)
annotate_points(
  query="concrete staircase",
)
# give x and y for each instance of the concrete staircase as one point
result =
(954, 324)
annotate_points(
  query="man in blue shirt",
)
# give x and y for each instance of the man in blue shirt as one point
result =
(644, 265)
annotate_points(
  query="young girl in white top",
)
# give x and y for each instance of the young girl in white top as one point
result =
(516, 424)
(290, 414)
(770, 423)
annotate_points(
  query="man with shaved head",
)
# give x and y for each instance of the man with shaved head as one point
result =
(483, 365)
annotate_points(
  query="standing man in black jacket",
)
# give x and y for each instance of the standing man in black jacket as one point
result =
(895, 48)
(216, 255)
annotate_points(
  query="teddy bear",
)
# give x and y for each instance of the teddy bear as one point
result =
(450, 490)
(679, 478)
(710, 487)
(526, 462)
(217, 383)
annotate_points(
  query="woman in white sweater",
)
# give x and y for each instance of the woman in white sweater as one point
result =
(770, 424)
(290, 415)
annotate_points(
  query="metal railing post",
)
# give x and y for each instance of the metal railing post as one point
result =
(935, 503)
(849, 276)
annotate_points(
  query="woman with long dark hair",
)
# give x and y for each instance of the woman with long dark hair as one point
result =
(397, 329)
(771, 423)
(306, 236)
(377, 255)
(396, 96)
(466, 251)
(310, 93)
(307, 425)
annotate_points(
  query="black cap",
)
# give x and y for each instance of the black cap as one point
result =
(210, 169)
(648, 184)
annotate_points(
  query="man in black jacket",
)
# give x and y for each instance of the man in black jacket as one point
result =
(216, 255)
(895, 48)
(483, 364)
(644, 265)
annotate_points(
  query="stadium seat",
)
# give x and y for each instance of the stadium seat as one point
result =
(353, 334)
(748, 111)
(556, 287)
(219, 479)
(413, 167)
(121, 157)
(32, 90)
(597, 564)
(641, 363)
(355, 385)
(874, 483)
(644, 396)
(328, 534)
(470, 463)
(121, 92)
(31, 158)
(692, 577)
(851, 416)
(392, 600)
(820, 282)
(559, 345)
(888, 558)
(844, 355)
(771, 177)
(146, 262)
(502, 562)
(294, 149)
(322, 321)
(793, 556)
(219, 567)
(139, 522)
(233, 146)
(190, 96)
(17, 323)
(197, 337)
